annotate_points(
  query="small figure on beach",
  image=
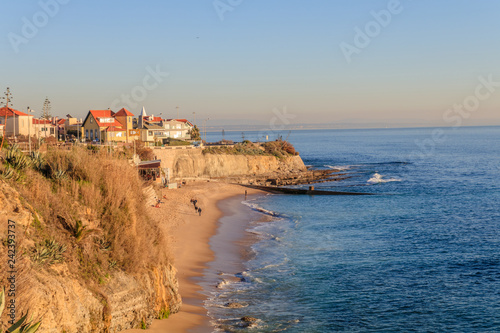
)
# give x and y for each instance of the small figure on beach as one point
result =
(245, 194)
(199, 211)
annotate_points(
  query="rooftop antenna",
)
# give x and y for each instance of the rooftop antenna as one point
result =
(46, 109)
(7, 99)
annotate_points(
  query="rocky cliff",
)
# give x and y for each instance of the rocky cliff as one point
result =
(192, 163)
(63, 300)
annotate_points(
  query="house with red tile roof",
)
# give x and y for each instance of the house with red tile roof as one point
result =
(108, 126)
(44, 128)
(15, 122)
(19, 123)
(178, 128)
(156, 129)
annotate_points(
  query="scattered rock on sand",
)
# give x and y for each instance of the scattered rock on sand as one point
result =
(249, 321)
(221, 284)
(234, 305)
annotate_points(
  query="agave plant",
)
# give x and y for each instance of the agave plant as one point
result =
(48, 252)
(102, 243)
(23, 325)
(58, 174)
(16, 158)
(37, 160)
(79, 231)
(8, 173)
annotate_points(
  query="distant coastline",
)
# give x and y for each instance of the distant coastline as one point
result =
(310, 127)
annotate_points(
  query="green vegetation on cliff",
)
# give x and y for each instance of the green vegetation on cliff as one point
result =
(82, 217)
(91, 204)
(279, 148)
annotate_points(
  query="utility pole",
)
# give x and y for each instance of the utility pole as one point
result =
(78, 124)
(177, 112)
(8, 99)
(29, 127)
(205, 128)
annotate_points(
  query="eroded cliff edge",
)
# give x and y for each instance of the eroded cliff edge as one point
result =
(88, 258)
(193, 163)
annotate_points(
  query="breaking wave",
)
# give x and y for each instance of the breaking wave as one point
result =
(378, 178)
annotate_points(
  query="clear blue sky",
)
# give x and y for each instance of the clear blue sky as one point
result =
(264, 54)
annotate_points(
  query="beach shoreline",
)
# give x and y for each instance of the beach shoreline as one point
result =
(203, 246)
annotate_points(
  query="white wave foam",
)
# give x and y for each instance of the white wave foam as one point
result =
(261, 209)
(339, 167)
(378, 178)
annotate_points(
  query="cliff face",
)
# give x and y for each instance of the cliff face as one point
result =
(192, 163)
(63, 301)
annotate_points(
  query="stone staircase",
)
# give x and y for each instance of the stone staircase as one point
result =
(150, 195)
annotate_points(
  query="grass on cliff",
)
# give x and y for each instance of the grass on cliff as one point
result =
(90, 204)
(279, 148)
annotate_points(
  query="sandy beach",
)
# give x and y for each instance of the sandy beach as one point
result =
(194, 245)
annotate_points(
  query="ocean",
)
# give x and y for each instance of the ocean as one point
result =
(422, 255)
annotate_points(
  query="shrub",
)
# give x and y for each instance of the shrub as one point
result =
(81, 193)
(145, 153)
(48, 252)
(279, 148)
(23, 325)
(16, 158)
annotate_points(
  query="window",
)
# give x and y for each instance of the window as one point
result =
(52, 131)
(150, 133)
(91, 134)
(86, 133)
(179, 126)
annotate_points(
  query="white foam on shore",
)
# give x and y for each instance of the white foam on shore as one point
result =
(260, 209)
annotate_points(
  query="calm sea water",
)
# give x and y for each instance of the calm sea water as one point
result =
(422, 255)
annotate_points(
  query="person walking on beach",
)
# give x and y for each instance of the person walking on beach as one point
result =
(245, 194)
(199, 211)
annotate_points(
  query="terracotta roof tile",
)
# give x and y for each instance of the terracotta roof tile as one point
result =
(115, 129)
(10, 112)
(124, 112)
(42, 122)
